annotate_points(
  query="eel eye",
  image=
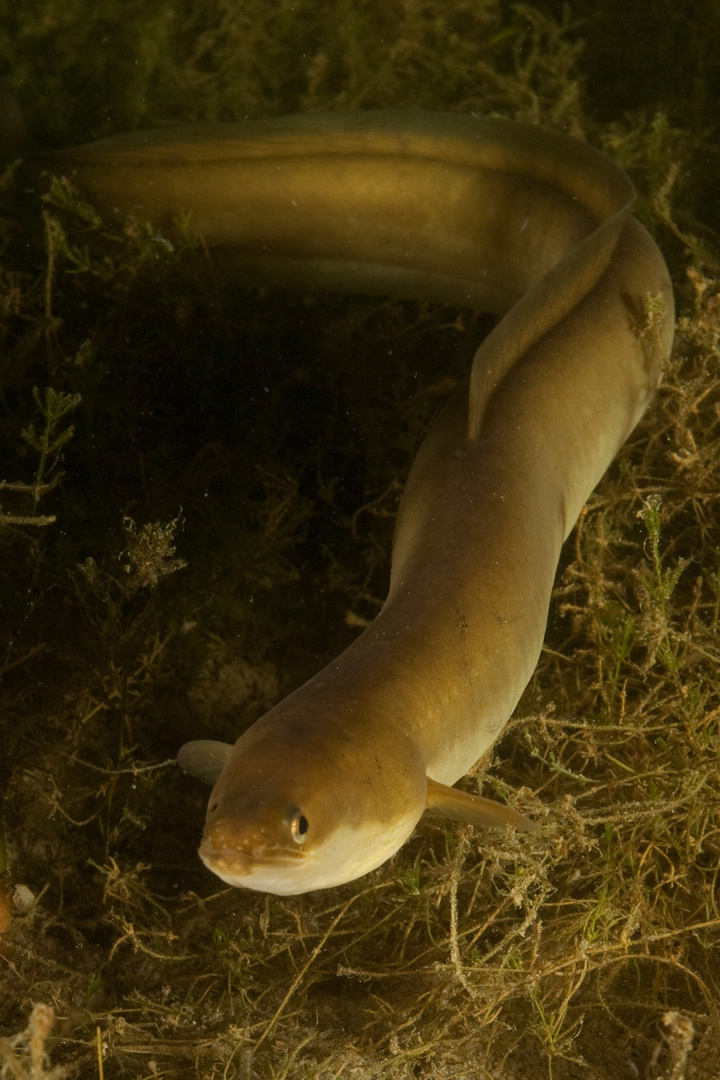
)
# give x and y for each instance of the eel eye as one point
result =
(298, 826)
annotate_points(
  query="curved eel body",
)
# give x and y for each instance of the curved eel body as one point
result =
(478, 213)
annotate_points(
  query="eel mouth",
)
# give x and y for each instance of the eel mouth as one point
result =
(233, 863)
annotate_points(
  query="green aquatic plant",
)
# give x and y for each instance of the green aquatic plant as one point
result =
(47, 437)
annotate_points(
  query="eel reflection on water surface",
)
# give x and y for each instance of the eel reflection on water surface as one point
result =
(486, 214)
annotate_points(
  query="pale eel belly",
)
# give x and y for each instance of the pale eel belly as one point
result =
(480, 213)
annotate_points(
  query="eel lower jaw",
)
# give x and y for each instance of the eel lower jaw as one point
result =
(238, 868)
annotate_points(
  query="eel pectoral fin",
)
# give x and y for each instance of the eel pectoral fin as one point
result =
(473, 809)
(204, 758)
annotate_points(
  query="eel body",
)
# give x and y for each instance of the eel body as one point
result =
(486, 214)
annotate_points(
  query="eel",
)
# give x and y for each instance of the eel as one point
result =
(481, 213)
